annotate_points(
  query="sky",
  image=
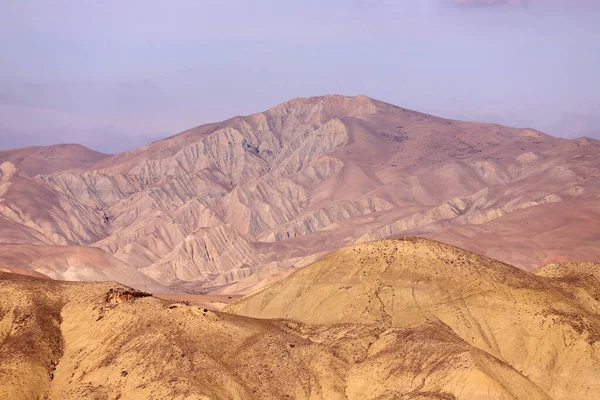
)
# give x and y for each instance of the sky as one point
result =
(114, 75)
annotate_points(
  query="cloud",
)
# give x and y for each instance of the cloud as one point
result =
(480, 3)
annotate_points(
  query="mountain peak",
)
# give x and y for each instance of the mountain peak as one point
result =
(331, 105)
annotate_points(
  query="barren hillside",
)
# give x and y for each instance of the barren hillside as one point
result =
(73, 263)
(395, 319)
(545, 326)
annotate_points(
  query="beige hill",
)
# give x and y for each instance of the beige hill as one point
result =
(72, 263)
(545, 328)
(237, 204)
(396, 319)
(554, 232)
(49, 159)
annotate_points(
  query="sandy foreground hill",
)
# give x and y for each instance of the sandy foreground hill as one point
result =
(394, 319)
(236, 205)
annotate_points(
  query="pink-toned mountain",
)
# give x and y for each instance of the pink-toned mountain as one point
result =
(236, 204)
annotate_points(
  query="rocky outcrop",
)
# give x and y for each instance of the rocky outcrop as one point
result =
(121, 295)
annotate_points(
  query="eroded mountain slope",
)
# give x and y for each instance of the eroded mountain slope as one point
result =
(301, 179)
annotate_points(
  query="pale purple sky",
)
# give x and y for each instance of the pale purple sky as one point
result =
(116, 74)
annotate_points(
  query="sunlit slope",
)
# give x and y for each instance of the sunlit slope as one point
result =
(517, 317)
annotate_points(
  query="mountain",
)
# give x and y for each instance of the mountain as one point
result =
(49, 159)
(235, 205)
(394, 319)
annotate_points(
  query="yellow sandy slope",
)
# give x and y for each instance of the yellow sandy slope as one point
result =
(546, 329)
(396, 319)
